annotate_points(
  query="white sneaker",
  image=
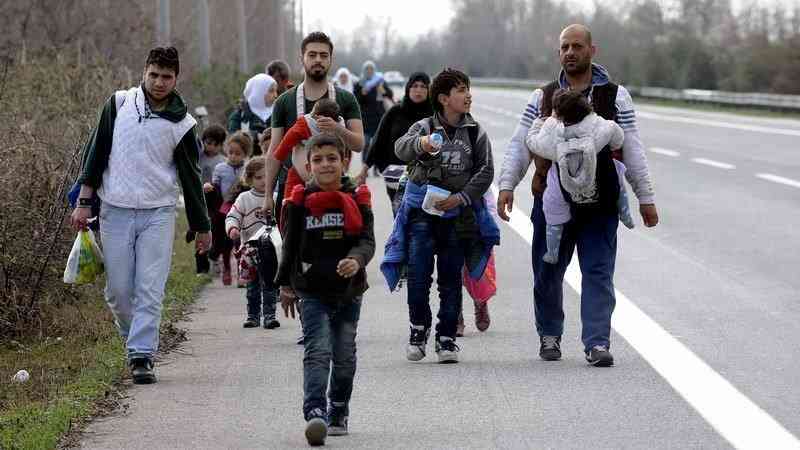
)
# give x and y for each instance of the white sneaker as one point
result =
(447, 350)
(417, 341)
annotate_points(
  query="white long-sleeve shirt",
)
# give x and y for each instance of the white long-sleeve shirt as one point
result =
(518, 156)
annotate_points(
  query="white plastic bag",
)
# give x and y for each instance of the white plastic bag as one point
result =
(85, 262)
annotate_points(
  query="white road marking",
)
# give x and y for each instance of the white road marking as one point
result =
(777, 179)
(712, 163)
(734, 416)
(665, 152)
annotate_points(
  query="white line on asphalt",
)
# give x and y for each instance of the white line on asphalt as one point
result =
(712, 163)
(777, 179)
(716, 123)
(665, 152)
(734, 416)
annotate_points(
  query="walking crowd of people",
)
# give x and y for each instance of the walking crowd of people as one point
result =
(272, 208)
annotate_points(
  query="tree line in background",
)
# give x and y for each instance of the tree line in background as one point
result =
(700, 44)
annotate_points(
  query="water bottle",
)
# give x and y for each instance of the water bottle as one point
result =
(436, 141)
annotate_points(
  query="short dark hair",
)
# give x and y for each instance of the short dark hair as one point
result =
(255, 165)
(571, 106)
(243, 140)
(278, 69)
(315, 36)
(444, 82)
(214, 133)
(323, 140)
(166, 57)
(327, 108)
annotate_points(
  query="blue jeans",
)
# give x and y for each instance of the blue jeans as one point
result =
(137, 247)
(595, 238)
(261, 292)
(330, 339)
(428, 236)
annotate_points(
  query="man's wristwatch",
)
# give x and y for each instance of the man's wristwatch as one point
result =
(84, 203)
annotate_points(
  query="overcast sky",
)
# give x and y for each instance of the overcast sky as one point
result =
(410, 18)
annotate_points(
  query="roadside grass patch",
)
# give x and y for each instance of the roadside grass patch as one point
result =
(76, 371)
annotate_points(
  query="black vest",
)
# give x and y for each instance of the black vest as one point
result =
(604, 103)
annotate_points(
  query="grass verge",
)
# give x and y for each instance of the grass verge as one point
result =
(77, 373)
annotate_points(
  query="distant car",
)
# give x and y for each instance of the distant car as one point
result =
(394, 77)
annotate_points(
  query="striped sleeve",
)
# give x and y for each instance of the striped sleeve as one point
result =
(517, 157)
(633, 153)
(626, 115)
(532, 109)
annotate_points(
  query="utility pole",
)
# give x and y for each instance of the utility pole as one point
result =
(164, 33)
(244, 66)
(302, 32)
(203, 32)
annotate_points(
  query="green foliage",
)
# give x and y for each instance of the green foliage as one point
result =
(219, 89)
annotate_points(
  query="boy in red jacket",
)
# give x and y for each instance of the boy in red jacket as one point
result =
(329, 239)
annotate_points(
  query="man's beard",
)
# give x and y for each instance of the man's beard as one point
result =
(316, 76)
(579, 68)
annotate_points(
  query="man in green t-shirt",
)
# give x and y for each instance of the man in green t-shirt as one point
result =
(317, 57)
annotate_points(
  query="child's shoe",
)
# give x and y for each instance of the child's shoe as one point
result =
(316, 428)
(337, 421)
(251, 322)
(482, 319)
(417, 341)
(447, 350)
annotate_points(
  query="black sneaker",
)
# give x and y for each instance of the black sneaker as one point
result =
(337, 421)
(271, 324)
(599, 356)
(142, 371)
(316, 428)
(447, 350)
(251, 322)
(418, 339)
(550, 350)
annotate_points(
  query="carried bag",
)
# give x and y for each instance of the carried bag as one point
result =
(485, 288)
(85, 262)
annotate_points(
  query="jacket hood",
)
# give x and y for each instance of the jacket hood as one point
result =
(175, 110)
(583, 128)
(466, 121)
(600, 76)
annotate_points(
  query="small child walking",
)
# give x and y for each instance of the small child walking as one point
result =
(237, 148)
(572, 138)
(213, 138)
(244, 219)
(328, 241)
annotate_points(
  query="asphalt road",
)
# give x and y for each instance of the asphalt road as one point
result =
(705, 330)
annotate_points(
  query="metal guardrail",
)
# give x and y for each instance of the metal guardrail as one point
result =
(744, 99)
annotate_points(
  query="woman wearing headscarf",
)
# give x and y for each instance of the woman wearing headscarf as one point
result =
(370, 91)
(253, 115)
(344, 79)
(414, 107)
